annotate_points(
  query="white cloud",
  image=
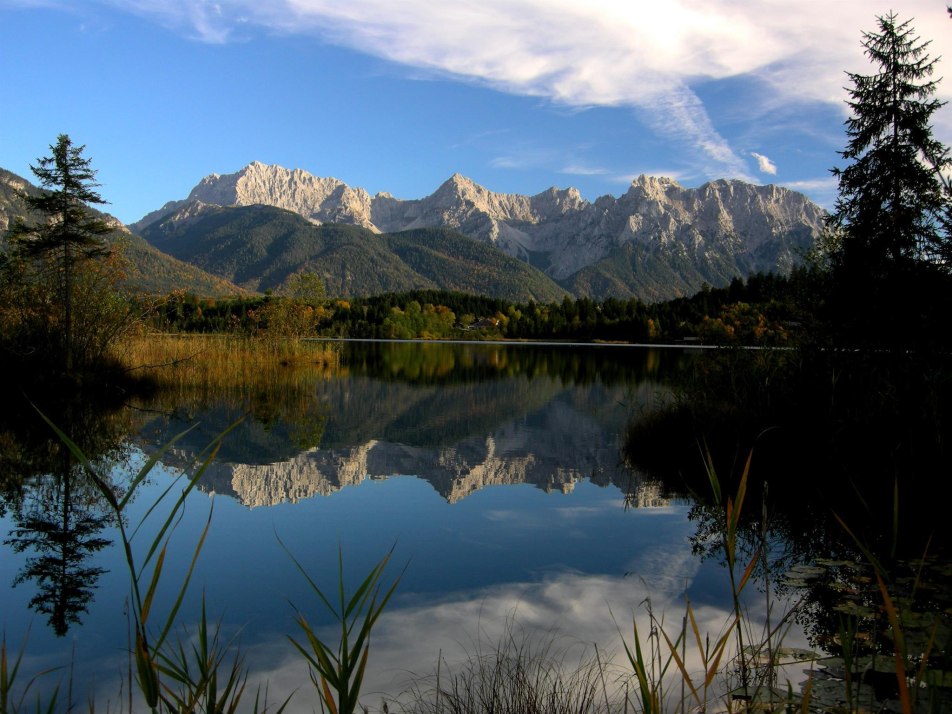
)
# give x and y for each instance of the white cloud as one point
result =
(582, 170)
(822, 190)
(507, 162)
(764, 164)
(649, 56)
(681, 116)
(820, 184)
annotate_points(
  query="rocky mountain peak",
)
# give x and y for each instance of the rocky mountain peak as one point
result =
(653, 187)
(458, 187)
(555, 202)
(722, 223)
(321, 200)
(189, 210)
(662, 181)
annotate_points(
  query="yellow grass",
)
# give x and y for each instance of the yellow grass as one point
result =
(225, 362)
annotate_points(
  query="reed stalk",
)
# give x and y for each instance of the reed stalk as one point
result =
(910, 674)
(10, 702)
(338, 669)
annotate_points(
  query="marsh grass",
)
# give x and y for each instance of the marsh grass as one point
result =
(670, 667)
(152, 660)
(225, 362)
(198, 671)
(918, 635)
(13, 700)
(270, 380)
(520, 672)
(680, 669)
(206, 675)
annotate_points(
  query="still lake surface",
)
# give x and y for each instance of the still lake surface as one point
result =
(494, 472)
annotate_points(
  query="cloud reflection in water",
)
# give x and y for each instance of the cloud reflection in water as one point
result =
(579, 610)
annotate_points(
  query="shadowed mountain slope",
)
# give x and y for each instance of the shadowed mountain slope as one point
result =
(259, 247)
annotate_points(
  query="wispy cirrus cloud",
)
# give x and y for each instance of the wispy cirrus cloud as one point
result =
(820, 184)
(822, 190)
(583, 170)
(652, 57)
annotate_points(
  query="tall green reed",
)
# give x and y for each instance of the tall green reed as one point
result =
(339, 668)
(200, 672)
(755, 656)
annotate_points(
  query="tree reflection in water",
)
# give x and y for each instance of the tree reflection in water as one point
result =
(58, 515)
(60, 524)
(849, 451)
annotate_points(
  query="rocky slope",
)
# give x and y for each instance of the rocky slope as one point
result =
(713, 233)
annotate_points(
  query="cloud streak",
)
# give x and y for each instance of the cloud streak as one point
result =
(764, 164)
(650, 57)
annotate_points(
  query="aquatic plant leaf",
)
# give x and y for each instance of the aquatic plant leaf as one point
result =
(899, 647)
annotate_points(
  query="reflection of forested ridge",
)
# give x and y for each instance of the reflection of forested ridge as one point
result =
(346, 412)
(360, 412)
(412, 393)
(444, 363)
(361, 409)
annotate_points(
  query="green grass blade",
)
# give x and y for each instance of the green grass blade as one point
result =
(147, 467)
(175, 512)
(146, 606)
(301, 569)
(673, 649)
(188, 577)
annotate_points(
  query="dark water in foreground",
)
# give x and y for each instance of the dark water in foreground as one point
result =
(494, 472)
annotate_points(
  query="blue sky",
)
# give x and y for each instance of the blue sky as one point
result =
(397, 95)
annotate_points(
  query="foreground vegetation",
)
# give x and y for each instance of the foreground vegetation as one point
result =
(221, 362)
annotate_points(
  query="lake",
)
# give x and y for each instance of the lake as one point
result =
(494, 473)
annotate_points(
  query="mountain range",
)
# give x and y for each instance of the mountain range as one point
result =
(257, 227)
(656, 241)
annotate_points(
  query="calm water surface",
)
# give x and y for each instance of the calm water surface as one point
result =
(495, 474)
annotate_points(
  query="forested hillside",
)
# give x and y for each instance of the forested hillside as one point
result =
(261, 247)
(146, 269)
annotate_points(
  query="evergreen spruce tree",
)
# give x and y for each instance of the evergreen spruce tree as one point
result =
(65, 232)
(892, 214)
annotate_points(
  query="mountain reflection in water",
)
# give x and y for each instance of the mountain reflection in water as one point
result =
(318, 459)
(462, 417)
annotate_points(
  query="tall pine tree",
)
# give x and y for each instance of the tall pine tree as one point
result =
(892, 214)
(65, 231)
